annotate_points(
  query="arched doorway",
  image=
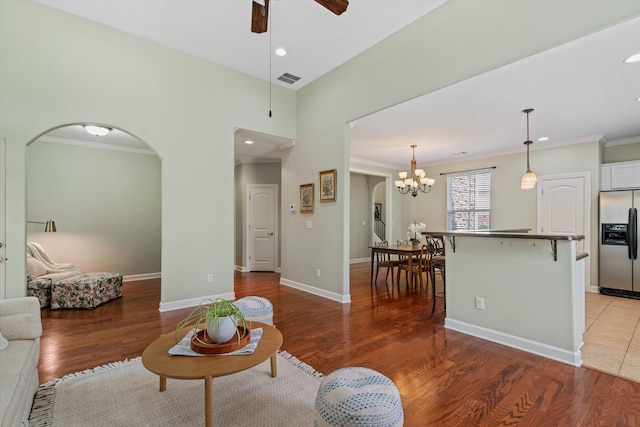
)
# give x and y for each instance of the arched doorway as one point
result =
(104, 194)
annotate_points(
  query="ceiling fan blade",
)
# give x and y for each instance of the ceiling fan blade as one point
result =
(335, 6)
(259, 17)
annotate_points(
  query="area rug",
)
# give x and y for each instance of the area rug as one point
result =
(126, 394)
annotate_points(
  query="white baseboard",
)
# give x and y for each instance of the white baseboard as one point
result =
(359, 260)
(316, 291)
(243, 269)
(594, 289)
(192, 302)
(146, 276)
(541, 349)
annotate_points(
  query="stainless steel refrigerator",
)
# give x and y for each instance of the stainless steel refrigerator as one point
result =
(619, 266)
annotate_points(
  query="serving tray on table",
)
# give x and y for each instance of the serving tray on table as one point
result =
(201, 343)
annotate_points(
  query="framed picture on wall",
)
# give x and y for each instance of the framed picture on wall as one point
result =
(306, 198)
(328, 186)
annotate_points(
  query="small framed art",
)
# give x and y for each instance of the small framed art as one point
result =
(328, 186)
(306, 198)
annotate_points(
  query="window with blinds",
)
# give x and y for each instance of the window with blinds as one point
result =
(469, 201)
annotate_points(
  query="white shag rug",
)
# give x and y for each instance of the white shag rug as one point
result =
(126, 394)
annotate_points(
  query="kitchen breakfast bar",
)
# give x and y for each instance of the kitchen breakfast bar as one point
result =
(519, 289)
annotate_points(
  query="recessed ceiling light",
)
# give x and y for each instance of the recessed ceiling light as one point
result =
(97, 130)
(248, 142)
(281, 51)
(632, 59)
(544, 138)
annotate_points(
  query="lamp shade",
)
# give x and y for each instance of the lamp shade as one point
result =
(529, 180)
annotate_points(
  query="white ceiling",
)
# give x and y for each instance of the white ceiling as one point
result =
(579, 91)
(220, 30)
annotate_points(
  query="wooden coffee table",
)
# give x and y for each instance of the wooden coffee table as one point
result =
(156, 358)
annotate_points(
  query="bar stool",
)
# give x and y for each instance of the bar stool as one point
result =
(437, 265)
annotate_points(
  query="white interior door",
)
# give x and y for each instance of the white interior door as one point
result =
(3, 251)
(563, 208)
(262, 227)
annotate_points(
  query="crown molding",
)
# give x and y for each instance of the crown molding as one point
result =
(623, 141)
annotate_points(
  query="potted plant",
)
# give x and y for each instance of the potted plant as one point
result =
(415, 231)
(222, 320)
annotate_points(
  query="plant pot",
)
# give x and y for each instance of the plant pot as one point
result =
(221, 329)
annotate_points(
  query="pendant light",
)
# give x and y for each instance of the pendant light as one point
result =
(417, 181)
(529, 178)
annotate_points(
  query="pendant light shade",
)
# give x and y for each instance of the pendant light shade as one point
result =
(529, 178)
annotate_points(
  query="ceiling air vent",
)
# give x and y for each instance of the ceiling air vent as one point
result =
(289, 78)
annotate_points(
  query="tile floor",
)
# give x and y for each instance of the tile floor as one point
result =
(612, 336)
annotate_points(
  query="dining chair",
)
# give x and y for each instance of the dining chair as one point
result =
(437, 265)
(419, 265)
(384, 260)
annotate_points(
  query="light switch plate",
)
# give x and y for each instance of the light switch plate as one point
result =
(309, 224)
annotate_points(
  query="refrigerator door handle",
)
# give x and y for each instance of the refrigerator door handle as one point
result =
(633, 233)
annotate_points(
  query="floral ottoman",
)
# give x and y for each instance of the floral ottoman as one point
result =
(41, 289)
(87, 290)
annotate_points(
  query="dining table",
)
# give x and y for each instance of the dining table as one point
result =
(408, 250)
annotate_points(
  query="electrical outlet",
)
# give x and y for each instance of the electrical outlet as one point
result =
(210, 278)
(480, 303)
(317, 272)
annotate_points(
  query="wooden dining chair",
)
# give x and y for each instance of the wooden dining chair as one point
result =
(384, 260)
(419, 265)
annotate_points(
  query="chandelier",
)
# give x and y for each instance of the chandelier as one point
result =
(529, 178)
(417, 181)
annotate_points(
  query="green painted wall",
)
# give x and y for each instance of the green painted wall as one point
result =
(106, 205)
(58, 69)
(621, 153)
(459, 40)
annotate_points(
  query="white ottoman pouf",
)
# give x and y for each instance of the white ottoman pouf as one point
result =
(358, 397)
(257, 309)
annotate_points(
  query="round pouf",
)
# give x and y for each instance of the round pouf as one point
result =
(257, 309)
(358, 397)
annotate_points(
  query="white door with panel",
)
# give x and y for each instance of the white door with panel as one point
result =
(262, 227)
(563, 208)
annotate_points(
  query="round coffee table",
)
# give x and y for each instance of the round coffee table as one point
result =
(156, 358)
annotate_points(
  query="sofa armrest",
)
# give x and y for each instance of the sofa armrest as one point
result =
(20, 318)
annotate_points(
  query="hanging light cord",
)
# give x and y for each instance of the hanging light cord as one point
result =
(270, 84)
(528, 141)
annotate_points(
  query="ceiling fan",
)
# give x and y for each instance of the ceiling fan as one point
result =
(260, 12)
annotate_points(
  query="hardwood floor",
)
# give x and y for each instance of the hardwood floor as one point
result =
(445, 378)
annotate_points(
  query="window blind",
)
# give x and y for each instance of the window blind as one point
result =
(469, 201)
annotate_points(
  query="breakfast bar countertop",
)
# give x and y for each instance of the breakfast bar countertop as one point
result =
(518, 233)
